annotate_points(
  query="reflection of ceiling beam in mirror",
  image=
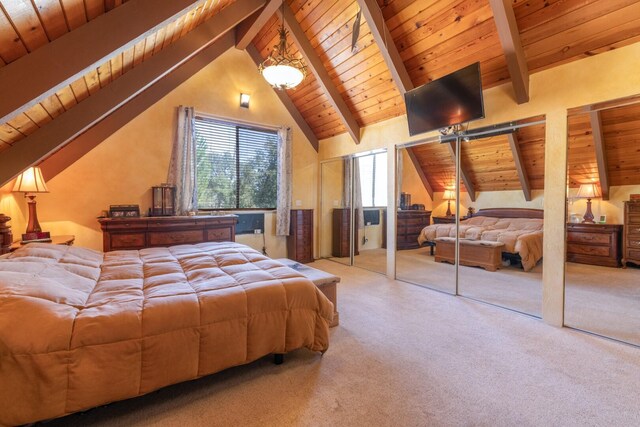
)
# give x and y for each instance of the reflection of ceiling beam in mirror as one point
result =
(601, 153)
(509, 35)
(387, 46)
(464, 175)
(520, 168)
(421, 174)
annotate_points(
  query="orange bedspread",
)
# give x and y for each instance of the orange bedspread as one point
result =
(79, 328)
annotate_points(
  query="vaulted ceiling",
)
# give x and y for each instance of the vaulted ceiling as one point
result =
(401, 44)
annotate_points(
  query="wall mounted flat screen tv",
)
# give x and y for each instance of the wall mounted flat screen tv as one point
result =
(450, 100)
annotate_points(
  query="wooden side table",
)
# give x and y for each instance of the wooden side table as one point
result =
(55, 240)
(595, 244)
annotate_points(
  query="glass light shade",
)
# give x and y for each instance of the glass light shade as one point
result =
(589, 191)
(31, 181)
(283, 76)
(449, 195)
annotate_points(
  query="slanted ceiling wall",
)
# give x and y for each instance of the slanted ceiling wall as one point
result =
(122, 169)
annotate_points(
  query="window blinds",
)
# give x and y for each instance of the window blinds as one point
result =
(236, 165)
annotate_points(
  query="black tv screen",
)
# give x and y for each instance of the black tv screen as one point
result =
(450, 100)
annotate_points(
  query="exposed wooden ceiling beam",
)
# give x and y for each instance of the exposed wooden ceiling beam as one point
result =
(387, 46)
(90, 111)
(509, 36)
(287, 102)
(601, 153)
(73, 151)
(464, 174)
(248, 29)
(316, 66)
(520, 168)
(41, 73)
(421, 174)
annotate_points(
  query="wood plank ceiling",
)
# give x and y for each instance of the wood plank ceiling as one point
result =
(489, 162)
(621, 136)
(433, 38)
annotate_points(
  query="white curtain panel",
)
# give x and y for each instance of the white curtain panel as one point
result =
(182, 167)
(283, 215)
(352, 175)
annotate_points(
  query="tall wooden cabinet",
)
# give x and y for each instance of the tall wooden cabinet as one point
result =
(300, 239)
(341, 230)
(631, 240)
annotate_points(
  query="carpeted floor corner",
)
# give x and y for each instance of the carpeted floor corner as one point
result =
(407, 356)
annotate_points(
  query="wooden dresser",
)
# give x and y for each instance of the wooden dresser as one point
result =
(341, 229)
(139, 233)
(300, 239)
(595, 244)
(410, 224)
(631, 253)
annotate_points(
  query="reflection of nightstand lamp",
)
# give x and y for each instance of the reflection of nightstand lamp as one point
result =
(588, 191)
(449, 195)
(30, 182)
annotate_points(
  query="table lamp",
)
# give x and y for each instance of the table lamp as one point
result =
(30, 182)
(449, 195)
(588, 191)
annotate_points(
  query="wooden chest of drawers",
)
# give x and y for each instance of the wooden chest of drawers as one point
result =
(631, 240)
(139, 233)
(341, 233)
(410, 224)
(300, 238)
(595, 244)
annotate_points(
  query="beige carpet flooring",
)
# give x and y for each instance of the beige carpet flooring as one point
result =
(407, 356)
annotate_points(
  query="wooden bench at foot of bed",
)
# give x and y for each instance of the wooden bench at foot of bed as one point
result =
(473, 253)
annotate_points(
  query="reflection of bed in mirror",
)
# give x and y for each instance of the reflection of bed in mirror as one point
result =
(519, 229)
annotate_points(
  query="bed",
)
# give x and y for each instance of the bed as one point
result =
(521, 231)
(80, 328)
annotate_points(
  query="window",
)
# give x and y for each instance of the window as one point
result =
(373, 179)
(236, 165)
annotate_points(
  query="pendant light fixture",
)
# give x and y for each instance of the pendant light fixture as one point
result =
(281, 69)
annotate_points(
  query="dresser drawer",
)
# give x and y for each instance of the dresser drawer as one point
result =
(577, 249)
(218, 234)
(634, 207)
(634, 219)
(169, 238)
(163, 225)
(118, 225)
(633, 255)
(633, 230)
(591, 238)
(127, 241)
(633, 243)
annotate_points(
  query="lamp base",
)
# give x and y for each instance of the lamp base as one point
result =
(33, 226)
(588, 215)
(448, 207)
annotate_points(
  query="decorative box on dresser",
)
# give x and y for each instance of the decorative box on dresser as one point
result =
(341, 229)
(300, 239)
(595, 244)
(409, 225)
(631, 253)
(140, 233)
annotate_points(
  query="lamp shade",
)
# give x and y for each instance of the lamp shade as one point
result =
(589, 191)
(31, 181)
(449, 195)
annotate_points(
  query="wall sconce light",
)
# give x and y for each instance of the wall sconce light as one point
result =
(244, 100)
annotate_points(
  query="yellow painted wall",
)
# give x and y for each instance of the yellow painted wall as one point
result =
(122, 169)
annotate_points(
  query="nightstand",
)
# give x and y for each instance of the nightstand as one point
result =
(595, 244)
(55, 240)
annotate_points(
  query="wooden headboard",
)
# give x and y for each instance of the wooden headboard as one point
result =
(511, 213)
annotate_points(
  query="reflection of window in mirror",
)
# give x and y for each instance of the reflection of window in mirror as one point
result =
(603, 181)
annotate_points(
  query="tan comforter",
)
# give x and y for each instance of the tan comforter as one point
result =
(522, 236)
(80, 328)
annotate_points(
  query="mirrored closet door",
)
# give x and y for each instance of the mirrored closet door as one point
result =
(426, 179)
(602, 283)
(501, 215)
(353, 210)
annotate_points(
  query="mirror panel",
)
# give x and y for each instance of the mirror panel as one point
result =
(370, 194)
(602, 291)
(424, 172)
(502, 183)
(335, 213)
